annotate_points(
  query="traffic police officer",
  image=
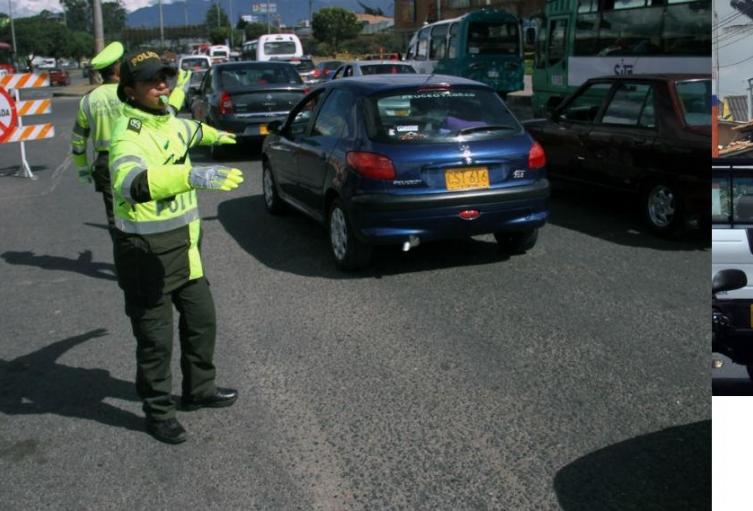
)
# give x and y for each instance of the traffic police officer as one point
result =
(97, 113)
(157, 242)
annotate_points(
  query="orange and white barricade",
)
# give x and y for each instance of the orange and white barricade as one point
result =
(12, 111)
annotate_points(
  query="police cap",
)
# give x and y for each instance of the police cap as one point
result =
(108, 56)
(141, 66)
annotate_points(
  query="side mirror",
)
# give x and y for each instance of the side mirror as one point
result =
(275, 127)
(727, 280)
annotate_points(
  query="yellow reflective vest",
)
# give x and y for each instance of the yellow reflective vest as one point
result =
(155, 207)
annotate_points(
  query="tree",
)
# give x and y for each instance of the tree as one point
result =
(78, 14)
(80, 45)
(219, 35)
(113, 19)
(211, 19)
(334, 25)
(254, 30)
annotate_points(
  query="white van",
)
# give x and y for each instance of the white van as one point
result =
(732, 221)
(219, 53)
(273, 46)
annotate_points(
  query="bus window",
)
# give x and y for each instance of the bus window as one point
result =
(423, 45)
(630, 32)
(629, 4)
(681, 36)
(493, 39)
(540, 57)
(452, 43)
(438, 48)
(586, 34)
(557, 41)
(585, 6)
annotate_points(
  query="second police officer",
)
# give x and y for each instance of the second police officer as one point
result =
(156, 249)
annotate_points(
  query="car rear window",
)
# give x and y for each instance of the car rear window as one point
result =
(695, 96)
(201, 63)
(303, 66)
(331, 66)
(439, 116)
(240, 77)
(384, 69)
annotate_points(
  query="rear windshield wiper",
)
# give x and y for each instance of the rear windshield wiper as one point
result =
(489, 127)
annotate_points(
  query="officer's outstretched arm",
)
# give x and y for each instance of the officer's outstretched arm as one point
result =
(78, 146)
(199, 133)
(135, 182)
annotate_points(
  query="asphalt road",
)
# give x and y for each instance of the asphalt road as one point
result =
(452, 377)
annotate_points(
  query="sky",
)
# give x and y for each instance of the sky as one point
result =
(23, 8)
(734, 45)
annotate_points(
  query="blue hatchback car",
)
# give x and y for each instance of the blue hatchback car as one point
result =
(406, 158)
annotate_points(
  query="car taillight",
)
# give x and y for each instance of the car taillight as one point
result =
(316, 73)
(536, 156)
(373, 166)
(306, 90)
(226, 104)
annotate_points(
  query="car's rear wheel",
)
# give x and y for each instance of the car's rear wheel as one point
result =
(349, 253)
(662, 207)
(271, 198)
(518, 242)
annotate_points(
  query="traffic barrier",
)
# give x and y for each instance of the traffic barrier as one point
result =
(34, 107)
(25, 81)
(35, 132)
(12, 110)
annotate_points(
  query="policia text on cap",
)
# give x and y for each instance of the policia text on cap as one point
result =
(156, 247)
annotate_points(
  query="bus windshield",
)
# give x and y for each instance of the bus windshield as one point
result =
(489, 38)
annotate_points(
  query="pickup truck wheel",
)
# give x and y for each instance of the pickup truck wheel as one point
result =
(662, 207)
(517, 242)
(349, 253)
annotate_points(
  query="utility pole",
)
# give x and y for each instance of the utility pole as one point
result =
(12, 31)
(99, 34)
(268, 30)
(230, 20)
(185, 12)
(161, 27)
(218, 13)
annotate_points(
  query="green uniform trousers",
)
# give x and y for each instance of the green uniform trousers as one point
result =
(153, 327)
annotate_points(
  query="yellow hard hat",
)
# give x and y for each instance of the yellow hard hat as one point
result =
(108, 56)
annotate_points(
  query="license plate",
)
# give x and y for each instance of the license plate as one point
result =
(493, 74)
(468, 178)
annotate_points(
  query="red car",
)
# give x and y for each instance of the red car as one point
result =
(59, 77)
